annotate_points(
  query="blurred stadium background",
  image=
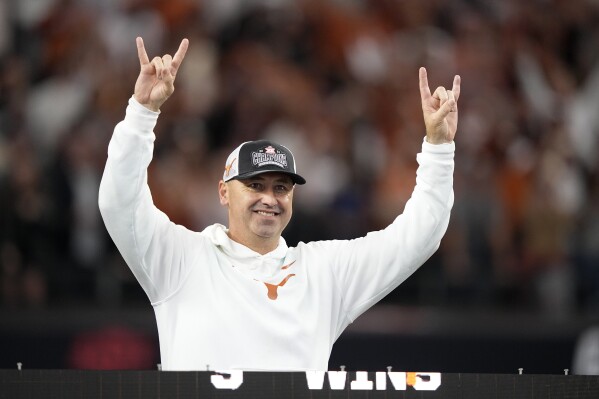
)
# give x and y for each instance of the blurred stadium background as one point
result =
(516, 280)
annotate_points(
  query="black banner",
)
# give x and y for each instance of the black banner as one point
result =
(65, 384)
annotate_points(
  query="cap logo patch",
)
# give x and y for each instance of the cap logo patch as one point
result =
(269, 156)
(228, 168)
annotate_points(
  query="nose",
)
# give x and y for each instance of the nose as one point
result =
(269, 198)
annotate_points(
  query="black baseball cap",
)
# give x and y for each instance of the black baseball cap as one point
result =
(255, 157)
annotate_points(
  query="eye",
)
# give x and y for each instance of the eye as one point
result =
(282, 188)
(255, 186)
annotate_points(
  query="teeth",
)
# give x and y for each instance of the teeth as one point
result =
(266, 213)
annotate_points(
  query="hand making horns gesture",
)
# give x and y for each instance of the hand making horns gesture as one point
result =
(440, 110)
(154, 84)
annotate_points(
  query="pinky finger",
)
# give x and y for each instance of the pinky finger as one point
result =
(451, 98)
(457, 82)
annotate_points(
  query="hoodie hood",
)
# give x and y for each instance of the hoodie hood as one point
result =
(246, 260)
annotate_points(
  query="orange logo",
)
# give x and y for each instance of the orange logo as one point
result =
(287, 266)
(272, 288)
(228, 167)
(411, 379)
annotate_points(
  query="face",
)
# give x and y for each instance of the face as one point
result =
(259, 207)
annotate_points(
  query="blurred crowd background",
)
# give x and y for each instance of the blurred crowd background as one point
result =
(337, 82)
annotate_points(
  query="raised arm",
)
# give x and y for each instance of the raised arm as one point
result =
(368, 268)
(149, 242)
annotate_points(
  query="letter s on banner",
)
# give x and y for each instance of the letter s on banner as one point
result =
(234, 380)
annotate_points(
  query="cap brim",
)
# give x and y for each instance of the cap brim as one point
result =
(297, 179)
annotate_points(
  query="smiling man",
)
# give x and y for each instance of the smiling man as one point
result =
(238, 297)
(257, 188)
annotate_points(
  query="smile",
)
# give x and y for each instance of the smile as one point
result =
(266, 213)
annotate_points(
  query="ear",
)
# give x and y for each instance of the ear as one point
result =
(223, 193)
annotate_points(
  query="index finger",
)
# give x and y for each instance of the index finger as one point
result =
(180, 54)
(141, 52)
(425, 91)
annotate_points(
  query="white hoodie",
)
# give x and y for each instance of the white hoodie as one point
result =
(219, 305)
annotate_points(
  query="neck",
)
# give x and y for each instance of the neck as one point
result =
(257, 244)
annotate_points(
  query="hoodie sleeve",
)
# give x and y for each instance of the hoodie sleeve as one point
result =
(368, 268)
(150, 243)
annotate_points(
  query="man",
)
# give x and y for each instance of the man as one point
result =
(238, 297)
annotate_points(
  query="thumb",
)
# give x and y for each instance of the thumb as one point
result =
(446, 109)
